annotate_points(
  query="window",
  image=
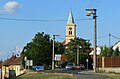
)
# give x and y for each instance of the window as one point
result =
(70, 31)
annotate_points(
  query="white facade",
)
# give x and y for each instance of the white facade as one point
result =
(98, 51)
(117, 45)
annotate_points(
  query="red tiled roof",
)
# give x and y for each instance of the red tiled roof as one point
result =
(9, 61)
(17, 61)
(64, 43)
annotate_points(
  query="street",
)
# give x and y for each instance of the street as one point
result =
(89, 75)
(81, 74)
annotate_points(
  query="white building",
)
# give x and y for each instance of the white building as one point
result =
(117, 45)
(98, 51)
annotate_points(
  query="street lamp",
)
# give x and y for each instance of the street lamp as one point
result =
(53, 54)
(93, 11)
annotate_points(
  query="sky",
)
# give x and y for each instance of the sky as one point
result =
(50, 16)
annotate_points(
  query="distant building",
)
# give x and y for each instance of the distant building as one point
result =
(14, 63)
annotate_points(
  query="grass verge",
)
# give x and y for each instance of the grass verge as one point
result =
(42, 75)
(110, 75)
(113, 76)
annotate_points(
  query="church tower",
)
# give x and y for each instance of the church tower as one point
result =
(70, 28)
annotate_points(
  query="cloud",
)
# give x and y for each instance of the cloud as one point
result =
(10, 7)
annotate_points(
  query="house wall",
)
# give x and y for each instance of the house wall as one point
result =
(17, 69)
(116, 45)
(5, 71)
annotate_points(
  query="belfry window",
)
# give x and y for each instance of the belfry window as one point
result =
(70, 31)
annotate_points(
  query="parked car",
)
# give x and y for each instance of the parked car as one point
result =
(82, 66)
(70, 66)
(79, 67)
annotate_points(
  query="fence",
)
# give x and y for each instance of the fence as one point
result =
(108, 61)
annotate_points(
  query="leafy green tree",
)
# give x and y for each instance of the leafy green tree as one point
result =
(59, 48)
(71, 50)
(116, 52)
(39, 49)
(110, 52)
(104, 51)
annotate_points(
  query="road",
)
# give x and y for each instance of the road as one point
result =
(89, 75)
(86, 74)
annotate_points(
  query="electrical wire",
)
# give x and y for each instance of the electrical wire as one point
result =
(115, 36)
(94, 3)
(37, 20)
(99, 37)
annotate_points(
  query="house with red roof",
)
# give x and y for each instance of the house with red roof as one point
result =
(13, 63)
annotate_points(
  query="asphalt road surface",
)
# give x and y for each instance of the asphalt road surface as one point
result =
(85, 74)
(81, 74)
(89, 75)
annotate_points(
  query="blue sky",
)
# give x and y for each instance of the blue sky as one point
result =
(16, 34)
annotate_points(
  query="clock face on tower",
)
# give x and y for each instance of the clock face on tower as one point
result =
(70, 28)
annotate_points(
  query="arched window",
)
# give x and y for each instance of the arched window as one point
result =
(70, 31)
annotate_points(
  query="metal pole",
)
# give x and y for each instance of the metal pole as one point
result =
(87, 63)
(53, 53)
(77, 55)
(95, 38)
(109, 40)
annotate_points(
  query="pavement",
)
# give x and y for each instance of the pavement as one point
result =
(81, 74)
(89, 74)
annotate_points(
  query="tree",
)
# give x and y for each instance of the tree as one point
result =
(71, 50)
(116, 52)
(104, 51)
(39, 50)
(59, 48)
(110, 52)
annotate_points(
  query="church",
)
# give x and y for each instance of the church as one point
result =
(70, 29)
(70, 32)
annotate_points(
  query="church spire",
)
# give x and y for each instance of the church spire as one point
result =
(70, 19)
(70, 28)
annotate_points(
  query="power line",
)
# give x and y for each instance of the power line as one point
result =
(94, 3)
(38, 20)
(98, 3)
(115, 36)
(100, 37)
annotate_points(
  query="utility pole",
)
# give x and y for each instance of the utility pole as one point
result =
(77, 55)
(109, 40)
(93, 11)
(95, 37)
(53, 54)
